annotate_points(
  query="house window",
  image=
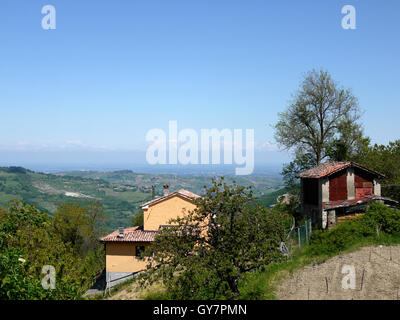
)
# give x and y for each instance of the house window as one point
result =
(139, 252)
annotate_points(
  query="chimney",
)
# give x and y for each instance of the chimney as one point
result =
(153, 192)
(166, 189)
(121, 232)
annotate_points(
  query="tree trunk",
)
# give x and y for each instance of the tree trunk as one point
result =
(233, 285)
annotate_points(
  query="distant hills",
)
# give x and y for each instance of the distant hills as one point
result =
(120, 192)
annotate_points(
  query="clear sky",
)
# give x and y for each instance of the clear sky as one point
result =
(112, 70)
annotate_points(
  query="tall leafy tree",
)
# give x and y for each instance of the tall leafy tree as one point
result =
(320, 112)
(351, 144)
(80, 225)
(205, 254)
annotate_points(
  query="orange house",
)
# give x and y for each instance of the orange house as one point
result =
(125, 246)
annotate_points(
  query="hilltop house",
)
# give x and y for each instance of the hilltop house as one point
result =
(334, 191)
(125, 246)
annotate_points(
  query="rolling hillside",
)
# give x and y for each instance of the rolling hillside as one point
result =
(262, 185)
(120, 192)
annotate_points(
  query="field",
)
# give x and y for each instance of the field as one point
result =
(120, 192)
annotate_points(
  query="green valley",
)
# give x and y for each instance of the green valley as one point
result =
(120, 192)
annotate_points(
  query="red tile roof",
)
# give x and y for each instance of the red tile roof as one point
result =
(329, 167)
(182, 192)
(131, 234)
(349, 203)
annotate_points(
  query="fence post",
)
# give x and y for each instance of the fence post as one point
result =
(107, 284)
(306, 227)
(298, 232)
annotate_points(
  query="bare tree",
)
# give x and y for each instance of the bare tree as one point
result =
(317, 115)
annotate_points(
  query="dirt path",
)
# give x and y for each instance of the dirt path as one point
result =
(132, 292)
(377, 277)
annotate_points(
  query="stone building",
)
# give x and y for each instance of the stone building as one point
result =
(334, 191)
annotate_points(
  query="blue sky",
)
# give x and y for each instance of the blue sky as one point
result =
(112, 70)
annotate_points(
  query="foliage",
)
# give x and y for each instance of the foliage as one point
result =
(336, 240)
(205, 254)
(14, 284)
(81, 226)
(29, 241)
(349, 144)
(377, 221)
(319, 112)
(391, 191)
(384, 159)
(291, 205)
(137, 220)
(383, 218)
(339, 150)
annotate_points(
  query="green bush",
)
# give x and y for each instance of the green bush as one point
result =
(378, 222)
(385, 219)
(14, 284)
(333, 241)
(28, 241)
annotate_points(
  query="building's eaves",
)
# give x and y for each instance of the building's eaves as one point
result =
(330, 167)
(330, 205)
(182, 192)
(132, 234)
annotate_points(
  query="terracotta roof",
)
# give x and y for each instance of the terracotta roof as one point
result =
(182, 192)
(131, 234)
(349, 203)
(329, 167)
